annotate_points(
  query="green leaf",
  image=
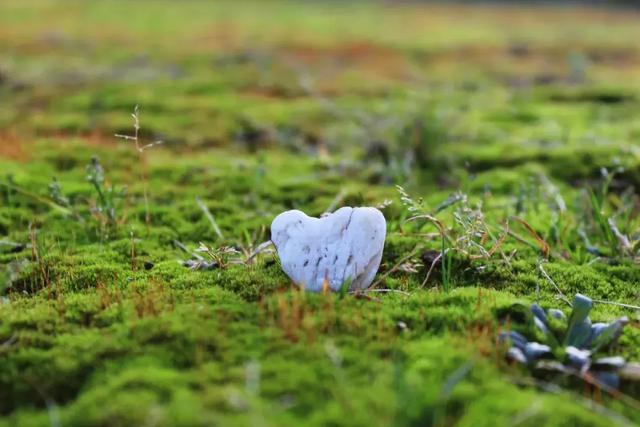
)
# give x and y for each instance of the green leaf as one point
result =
(610, 333)
(579, 324)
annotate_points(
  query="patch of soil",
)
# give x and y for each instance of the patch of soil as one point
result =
(12, 148)
(368, 57)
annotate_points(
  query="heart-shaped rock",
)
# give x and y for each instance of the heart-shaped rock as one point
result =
(343, 247)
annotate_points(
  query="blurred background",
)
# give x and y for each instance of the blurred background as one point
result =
(472, 81)
(501, 109)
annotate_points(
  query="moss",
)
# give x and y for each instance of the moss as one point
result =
(103, 325)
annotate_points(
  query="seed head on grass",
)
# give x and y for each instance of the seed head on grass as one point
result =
(135, 137)
(141, 149)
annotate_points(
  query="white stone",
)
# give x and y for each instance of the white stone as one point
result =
(343, 246)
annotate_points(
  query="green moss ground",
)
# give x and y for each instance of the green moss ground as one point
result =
(264, 107)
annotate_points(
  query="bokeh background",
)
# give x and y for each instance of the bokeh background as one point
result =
(514, 124)
(314, 76)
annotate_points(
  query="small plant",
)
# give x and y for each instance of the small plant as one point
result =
(59, 199)
(568, 346)
(104, 210)
(107, 197)
(470, 235)
(609, 224)
(55, 192)
(214, 258)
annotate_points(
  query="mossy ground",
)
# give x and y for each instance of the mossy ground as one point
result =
(267, 106)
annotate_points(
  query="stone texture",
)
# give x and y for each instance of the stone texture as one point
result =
(343, 246)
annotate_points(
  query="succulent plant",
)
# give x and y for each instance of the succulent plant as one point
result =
(569, 345)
